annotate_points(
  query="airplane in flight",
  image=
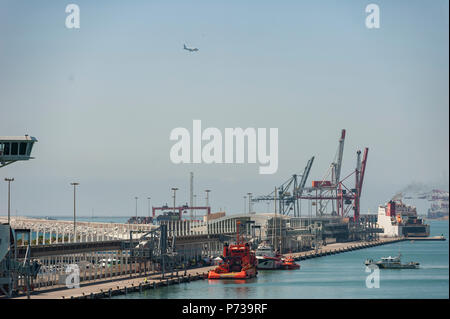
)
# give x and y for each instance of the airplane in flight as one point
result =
(190, 49)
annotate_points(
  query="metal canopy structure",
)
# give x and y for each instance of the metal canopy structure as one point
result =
(15, 148)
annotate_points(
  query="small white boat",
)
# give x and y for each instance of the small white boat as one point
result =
(267, 258)
(392, 263)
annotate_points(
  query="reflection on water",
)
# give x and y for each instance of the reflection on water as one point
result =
(233, 288)
(230, 281)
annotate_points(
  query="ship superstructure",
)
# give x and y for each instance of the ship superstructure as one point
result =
(267, 257)
(392, 263)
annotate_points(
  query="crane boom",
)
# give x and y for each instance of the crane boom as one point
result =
(363, 170)
(304, 177)
(338, 164)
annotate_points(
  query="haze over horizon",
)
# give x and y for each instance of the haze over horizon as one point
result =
(103, 99)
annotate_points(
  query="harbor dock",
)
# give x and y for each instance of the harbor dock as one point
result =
(336, 248)
(125, 285)
(122, 286)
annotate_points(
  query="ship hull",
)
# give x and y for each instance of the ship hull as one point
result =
(245, 274)
(394, 265)
(291, 266)
(397, 267)
(269, 263)
(416, 231)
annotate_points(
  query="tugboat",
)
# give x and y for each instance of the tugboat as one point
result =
(392, 263)
(289, 263)
(239, 262)
(267, 258)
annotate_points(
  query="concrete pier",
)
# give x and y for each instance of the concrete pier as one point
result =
(337, 248)
(122, 286)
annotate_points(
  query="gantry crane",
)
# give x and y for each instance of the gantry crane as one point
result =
(346, 198)
(289, 192)
(322, 192)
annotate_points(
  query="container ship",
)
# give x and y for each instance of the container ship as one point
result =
(439, 206)
(399, 219)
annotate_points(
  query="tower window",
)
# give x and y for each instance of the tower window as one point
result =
(7, 148)
(23, 148)
(14, 148)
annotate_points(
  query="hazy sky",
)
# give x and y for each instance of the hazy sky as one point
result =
(103, 99)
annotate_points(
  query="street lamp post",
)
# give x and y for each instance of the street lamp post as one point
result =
(148, 206)
(195, 205)
(74, 184)
(245, 204)
(207, 197)
(207, 205)
(136, 198)
(174, 196)
(9, 180)
(249, 202)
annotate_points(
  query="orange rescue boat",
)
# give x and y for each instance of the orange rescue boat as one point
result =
(289, 263)
(239, 262)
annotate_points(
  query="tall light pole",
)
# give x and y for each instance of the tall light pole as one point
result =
(148, 206)
(195, 203)
(136, 198)
(249, 202)
(207, 205)
(207, 197)
(245, 204)
(74, 184)
(174, 196)
(9, 180)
